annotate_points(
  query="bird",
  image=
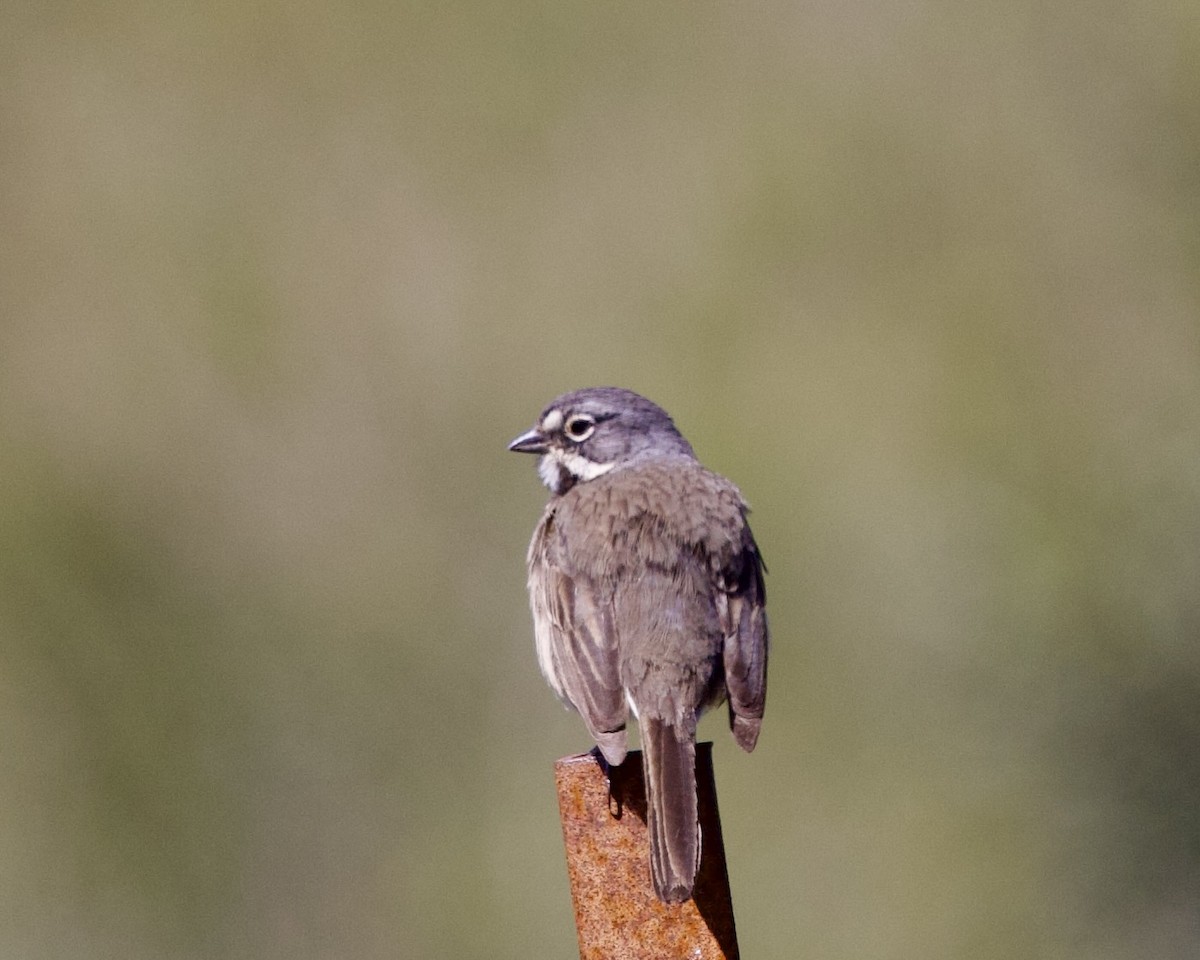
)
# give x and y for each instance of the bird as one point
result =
(646, 588)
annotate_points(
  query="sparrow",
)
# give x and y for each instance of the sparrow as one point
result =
(647, 594)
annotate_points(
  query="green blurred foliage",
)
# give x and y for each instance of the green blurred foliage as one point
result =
(277, 283)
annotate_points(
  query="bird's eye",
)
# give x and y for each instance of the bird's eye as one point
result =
(580, 428)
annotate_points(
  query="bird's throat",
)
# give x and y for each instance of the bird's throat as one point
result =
(560, 470)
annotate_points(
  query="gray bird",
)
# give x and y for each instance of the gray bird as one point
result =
(647, 594)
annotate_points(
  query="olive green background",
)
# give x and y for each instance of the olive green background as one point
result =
(278, 281)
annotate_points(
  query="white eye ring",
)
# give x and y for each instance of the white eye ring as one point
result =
(579, 428)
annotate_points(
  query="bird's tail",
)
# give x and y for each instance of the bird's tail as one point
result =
(670, 770)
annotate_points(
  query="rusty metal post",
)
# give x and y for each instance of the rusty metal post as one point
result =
(617, 915)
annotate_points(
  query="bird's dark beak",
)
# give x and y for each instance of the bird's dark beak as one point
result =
(531, 442)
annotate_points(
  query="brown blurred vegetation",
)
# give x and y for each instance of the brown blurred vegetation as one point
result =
(278, 283)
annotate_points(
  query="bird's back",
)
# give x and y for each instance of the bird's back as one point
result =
(652, 540)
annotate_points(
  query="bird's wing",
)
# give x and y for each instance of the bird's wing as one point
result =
(741, 604)
(577, 642)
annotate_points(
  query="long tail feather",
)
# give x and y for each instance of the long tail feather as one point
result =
(670, 770)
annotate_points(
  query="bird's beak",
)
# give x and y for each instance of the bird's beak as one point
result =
(531, 442)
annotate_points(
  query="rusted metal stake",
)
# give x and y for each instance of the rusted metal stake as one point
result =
(617, 915)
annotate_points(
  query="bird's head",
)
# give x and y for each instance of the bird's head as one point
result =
(588, 433)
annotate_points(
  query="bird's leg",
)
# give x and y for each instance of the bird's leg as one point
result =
(611, 773)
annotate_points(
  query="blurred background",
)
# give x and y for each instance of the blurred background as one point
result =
(278, 282)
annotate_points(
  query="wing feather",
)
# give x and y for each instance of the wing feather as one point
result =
(577, 643)
(744, 619)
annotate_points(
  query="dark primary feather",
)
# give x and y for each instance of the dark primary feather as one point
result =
(744, 620)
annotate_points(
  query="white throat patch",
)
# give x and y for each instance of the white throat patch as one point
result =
(551, 466)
